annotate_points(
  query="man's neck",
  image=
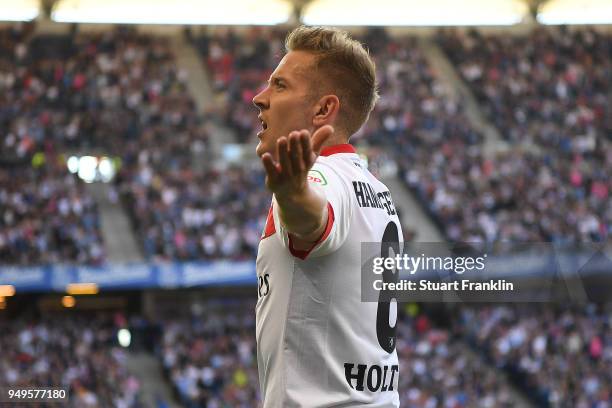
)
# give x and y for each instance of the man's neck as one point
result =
(335, 140)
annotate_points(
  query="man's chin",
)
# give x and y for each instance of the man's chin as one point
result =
(259, 150)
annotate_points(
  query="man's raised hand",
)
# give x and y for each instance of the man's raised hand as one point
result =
(296, 154)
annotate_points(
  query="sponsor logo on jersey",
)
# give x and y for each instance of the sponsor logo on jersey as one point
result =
(316, 176)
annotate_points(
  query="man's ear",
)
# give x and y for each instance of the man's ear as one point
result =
(326, 111)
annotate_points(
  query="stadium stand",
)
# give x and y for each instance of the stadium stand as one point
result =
(519, 195)
(48, 217)
(239, 63)
(76, 353)
(561, 356)
(180, 214)
(122, 93)
(210, 358)
(117, 92)
(547, 92)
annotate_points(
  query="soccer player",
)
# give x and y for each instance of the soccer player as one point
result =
(318, 344)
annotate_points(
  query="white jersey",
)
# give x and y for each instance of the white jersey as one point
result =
(318, 344)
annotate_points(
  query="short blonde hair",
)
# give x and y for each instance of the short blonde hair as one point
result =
(348, 67)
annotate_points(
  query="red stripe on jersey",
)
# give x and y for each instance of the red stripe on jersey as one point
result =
(269, 229)
(302, 254)
(339, 148)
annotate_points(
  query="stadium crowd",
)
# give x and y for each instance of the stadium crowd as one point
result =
(548, 88)
(239, 62)
(122, 92)
(210, 359)
(548, 94)
(437, 370)
(182, 214)
(563, 358)
(119, 93)
(521, 194)
(47, 216)
(76, 354)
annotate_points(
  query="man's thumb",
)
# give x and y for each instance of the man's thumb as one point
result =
(320, 136)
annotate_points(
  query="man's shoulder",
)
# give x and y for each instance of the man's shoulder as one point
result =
(342, 165)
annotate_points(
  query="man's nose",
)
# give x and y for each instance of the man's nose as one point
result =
(260, 101)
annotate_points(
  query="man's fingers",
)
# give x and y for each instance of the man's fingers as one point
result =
(295, 153)
(306, 148)
(283, 156)
(320, 136)
(270, 167)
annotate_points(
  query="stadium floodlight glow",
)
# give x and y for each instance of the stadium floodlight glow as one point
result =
(23, 10)
(124, 337)
(82, 289)
(179, 12)
(73, 164)
(7, 290)
(415, 12)
(91, 168)
(106, 169)
(68, 301)
(576, 12)
(87, 168)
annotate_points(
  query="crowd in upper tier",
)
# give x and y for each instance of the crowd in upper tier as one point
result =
(47, 217)
(46, 214)
(239, 63)
(536, 190)
(522, 194)
(183, 214)
(550, 91)
(122, 93)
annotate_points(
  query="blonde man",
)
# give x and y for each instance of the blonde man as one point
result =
(318, 344)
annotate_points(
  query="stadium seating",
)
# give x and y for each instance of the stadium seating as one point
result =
(48, 217)
(210, 359)
(561, 357)
(239, 63)
(547, 93)
(76, 353)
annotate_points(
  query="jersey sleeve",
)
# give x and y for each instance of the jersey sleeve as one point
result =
(340, 212)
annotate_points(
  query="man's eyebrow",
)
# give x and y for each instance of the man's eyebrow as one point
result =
(277, 79)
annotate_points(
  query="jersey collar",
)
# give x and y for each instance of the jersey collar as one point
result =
(339, 148)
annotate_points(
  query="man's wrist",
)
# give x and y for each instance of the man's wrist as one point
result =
(291, 198)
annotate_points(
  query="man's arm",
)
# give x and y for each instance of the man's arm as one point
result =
(301, 207)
